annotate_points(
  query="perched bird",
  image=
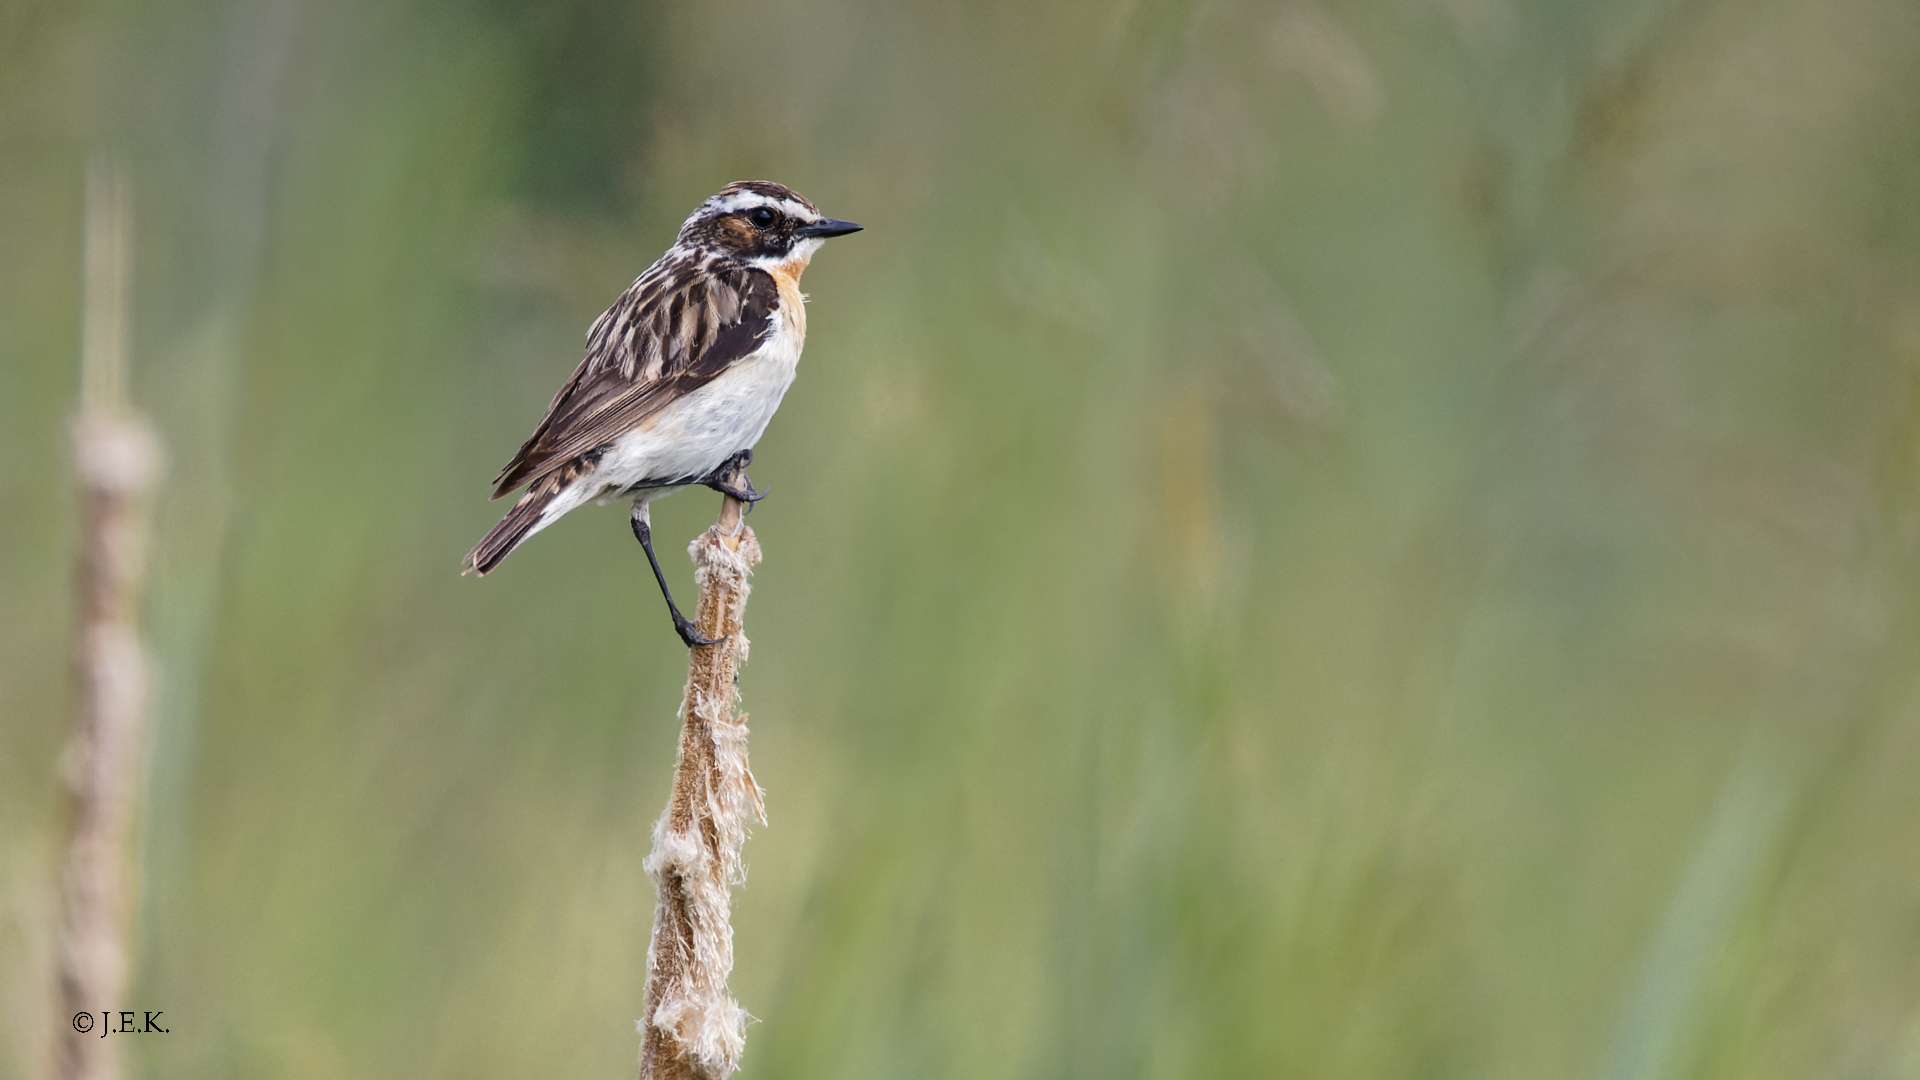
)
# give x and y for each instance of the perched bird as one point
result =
(681, 375)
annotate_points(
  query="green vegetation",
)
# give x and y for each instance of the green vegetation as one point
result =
(1319, 539)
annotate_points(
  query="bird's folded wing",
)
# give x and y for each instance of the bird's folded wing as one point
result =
(673, 331)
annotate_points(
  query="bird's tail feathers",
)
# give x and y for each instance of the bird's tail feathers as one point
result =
(531, 514)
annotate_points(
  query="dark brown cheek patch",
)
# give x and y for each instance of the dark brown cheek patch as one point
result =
(723, 234)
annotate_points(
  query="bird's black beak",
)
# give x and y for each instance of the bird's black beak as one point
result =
(828, 227)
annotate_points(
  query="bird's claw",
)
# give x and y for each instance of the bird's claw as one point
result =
(731, 479)
(742, 491)
(691, 634)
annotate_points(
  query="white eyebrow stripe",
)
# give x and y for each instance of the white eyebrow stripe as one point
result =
(741, 200)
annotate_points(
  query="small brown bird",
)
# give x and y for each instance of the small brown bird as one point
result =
(681, 375)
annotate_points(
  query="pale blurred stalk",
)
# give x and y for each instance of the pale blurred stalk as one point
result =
(692, 1028)
(117, 459)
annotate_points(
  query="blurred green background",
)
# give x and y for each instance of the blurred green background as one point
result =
(1340, 538)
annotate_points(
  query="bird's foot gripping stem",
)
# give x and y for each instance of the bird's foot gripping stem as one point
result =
(730, 479)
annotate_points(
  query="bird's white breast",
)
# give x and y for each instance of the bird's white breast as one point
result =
(694, 434)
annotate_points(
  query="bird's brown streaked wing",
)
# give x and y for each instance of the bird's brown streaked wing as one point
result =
(680, 325)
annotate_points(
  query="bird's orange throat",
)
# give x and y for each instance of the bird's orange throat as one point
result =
(793, 302)
(789, 272)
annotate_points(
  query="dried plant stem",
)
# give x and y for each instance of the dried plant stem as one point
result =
(118, 460)
(692, 1028)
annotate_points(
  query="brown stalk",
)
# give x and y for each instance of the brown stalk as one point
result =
(692, 1028)
(117, 459)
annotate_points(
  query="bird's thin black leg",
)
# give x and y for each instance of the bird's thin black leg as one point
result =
(643, 531)
(731, 479)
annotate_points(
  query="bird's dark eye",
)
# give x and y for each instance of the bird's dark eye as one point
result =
(762, 217)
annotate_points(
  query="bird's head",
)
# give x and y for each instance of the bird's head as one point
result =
(760, 223)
